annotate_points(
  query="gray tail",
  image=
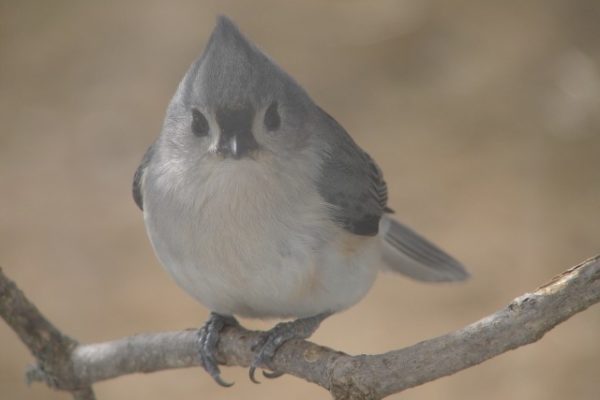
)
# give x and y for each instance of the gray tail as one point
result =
(408, 253)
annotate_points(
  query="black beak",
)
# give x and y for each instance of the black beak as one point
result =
(236, 139)
(236, 145)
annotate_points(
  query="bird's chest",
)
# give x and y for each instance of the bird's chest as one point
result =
(246, 232)
(250, 227)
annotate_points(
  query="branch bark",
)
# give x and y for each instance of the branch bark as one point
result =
(64, 364)
(51, 348)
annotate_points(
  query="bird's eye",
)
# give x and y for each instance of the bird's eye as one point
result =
(199, 123)
(272, 118)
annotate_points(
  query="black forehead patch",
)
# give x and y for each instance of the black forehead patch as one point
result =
(235, 120)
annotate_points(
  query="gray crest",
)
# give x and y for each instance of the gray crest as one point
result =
(233, 71)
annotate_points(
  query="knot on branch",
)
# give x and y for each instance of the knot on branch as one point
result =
(346, 383)
(55, 365)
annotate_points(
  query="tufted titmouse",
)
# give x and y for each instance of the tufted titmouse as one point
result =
(259, 204)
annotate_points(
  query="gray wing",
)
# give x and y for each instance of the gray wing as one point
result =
(138, 176)
(352, 182)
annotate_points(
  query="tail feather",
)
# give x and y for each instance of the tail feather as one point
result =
(410, 254)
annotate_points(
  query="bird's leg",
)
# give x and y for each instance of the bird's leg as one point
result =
(208, 338)
(272, 339)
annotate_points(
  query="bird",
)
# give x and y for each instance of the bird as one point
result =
(259, 204)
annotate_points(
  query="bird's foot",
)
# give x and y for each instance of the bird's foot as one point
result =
(272, 339)
(208, 338)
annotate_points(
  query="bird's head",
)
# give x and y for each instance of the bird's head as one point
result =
(235, 103)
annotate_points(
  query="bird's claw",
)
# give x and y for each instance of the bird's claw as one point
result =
(266, 374)
(271, 340)
(272, 375)
(208, 338)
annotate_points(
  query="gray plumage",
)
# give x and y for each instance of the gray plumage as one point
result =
(233, 75)
(260, 204)
(410, 254)
(352, 182)
(137, 178)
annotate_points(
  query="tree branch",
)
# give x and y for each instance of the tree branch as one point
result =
(49, 346)
(525, 320)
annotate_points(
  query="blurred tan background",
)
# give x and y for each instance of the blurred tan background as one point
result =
(485, 117)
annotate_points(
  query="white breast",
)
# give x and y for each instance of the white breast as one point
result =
(247, 239)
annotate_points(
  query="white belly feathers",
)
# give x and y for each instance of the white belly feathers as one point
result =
(246, 241)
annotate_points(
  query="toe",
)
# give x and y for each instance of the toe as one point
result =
(271, 340)
(272, 375)
(252, 373)
(208, 339)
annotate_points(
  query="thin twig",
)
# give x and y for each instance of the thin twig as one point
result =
(525, 320)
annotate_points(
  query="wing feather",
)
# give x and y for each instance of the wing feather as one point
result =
(139, 176)
(352, 182)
